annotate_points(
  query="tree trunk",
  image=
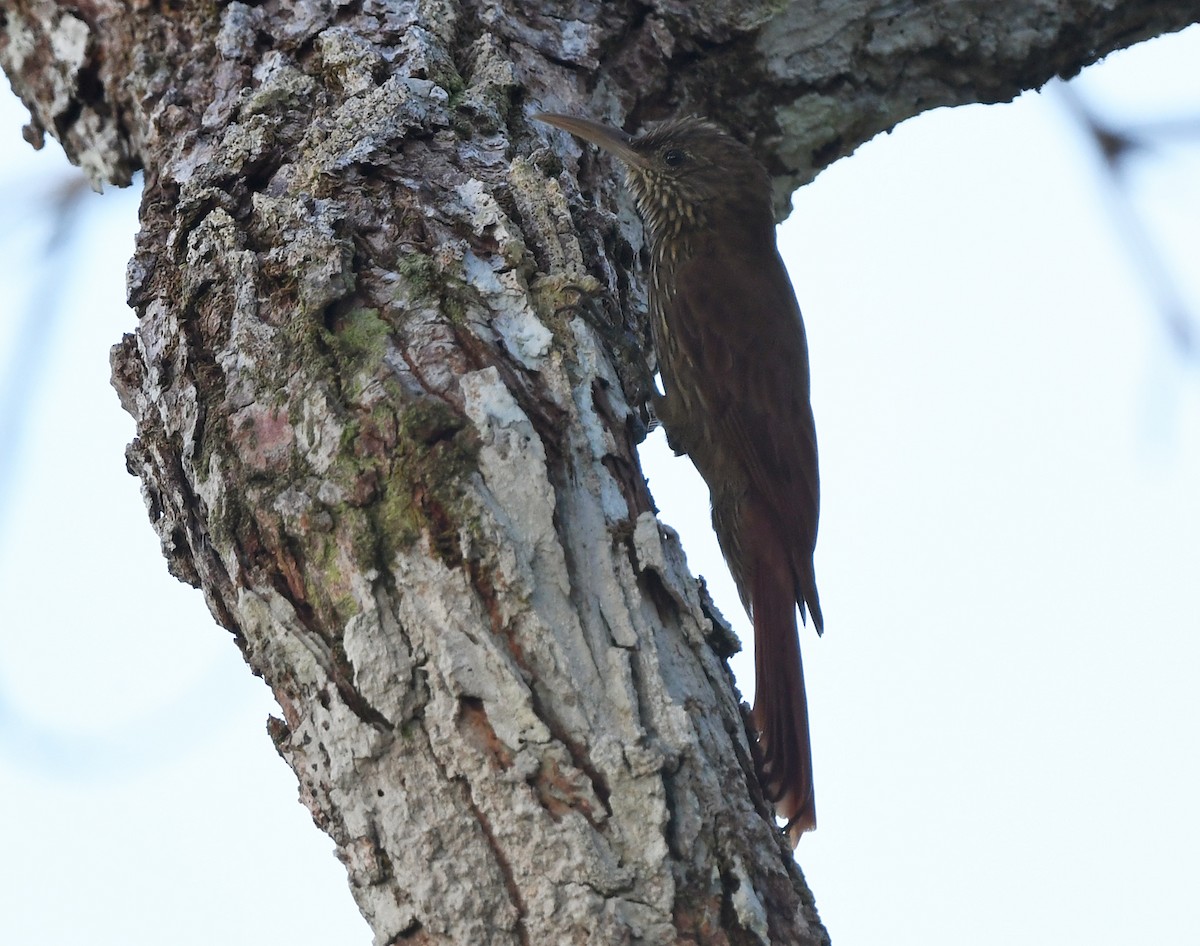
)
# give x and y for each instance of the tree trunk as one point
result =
(382, 382)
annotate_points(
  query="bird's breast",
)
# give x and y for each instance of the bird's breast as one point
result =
(688, 351)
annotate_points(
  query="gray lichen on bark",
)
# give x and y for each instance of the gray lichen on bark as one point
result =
(378, 380)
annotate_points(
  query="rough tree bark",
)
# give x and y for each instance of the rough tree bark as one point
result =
(400, 463)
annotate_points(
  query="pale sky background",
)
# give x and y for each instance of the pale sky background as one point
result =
(1005, 706)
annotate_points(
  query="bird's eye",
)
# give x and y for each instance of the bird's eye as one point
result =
(673, 157)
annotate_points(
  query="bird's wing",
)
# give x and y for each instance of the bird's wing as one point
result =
(755, 382)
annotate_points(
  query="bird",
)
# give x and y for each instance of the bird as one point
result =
(733, 361)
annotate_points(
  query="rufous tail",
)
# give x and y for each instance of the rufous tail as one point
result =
(780, 705)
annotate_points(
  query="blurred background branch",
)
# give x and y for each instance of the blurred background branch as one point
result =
(1118, 146)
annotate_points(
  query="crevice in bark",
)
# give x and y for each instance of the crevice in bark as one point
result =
(506, 871)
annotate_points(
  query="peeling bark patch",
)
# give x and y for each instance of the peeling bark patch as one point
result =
(478, 732)
(286, 573)
(561, 792)
(721, 637)
(263, 436)
(579, 759)
(547, 418)
(278, 731)
(367, 860)
(651, 582)
(699, 922)
(486, 590)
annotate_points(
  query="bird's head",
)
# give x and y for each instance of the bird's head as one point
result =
(686, 173)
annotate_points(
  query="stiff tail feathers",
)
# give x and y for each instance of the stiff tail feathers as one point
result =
(780, 704)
